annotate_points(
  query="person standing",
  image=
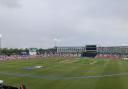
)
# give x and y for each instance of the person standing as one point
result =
(22, 86)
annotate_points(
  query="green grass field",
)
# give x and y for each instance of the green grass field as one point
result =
(66, 73)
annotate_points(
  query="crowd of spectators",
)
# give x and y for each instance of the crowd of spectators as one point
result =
(26, 57)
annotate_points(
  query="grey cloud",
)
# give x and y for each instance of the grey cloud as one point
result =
(107, 8)
(10, 3)
(73, 22)
(90, 7)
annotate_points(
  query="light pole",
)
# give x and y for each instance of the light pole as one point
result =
(55, 42)
(0, 43)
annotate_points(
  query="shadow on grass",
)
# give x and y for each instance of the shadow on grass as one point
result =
(9, 87)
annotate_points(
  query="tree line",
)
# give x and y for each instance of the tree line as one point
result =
(16, 51)
(13, 51)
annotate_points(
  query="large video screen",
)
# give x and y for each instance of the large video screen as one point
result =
(91, 47)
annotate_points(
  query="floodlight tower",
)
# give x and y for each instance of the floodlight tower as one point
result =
(0, 41)
(55, 42)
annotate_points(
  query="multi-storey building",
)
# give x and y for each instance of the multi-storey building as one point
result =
(70, 49)
(123, 50)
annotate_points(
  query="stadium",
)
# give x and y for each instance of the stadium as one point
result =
(63, 44)
(89, 67)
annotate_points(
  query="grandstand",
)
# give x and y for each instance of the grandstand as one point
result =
(102, 52)
(120, 51)
(123, 50)
(74, 50)
(113, 51)
(88, 50)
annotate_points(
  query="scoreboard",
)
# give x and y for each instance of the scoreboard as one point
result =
(91, 48)
(91, 51)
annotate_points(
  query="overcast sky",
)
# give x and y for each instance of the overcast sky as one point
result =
(39, 23)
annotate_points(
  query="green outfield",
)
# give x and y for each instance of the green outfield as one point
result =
(66, 73)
